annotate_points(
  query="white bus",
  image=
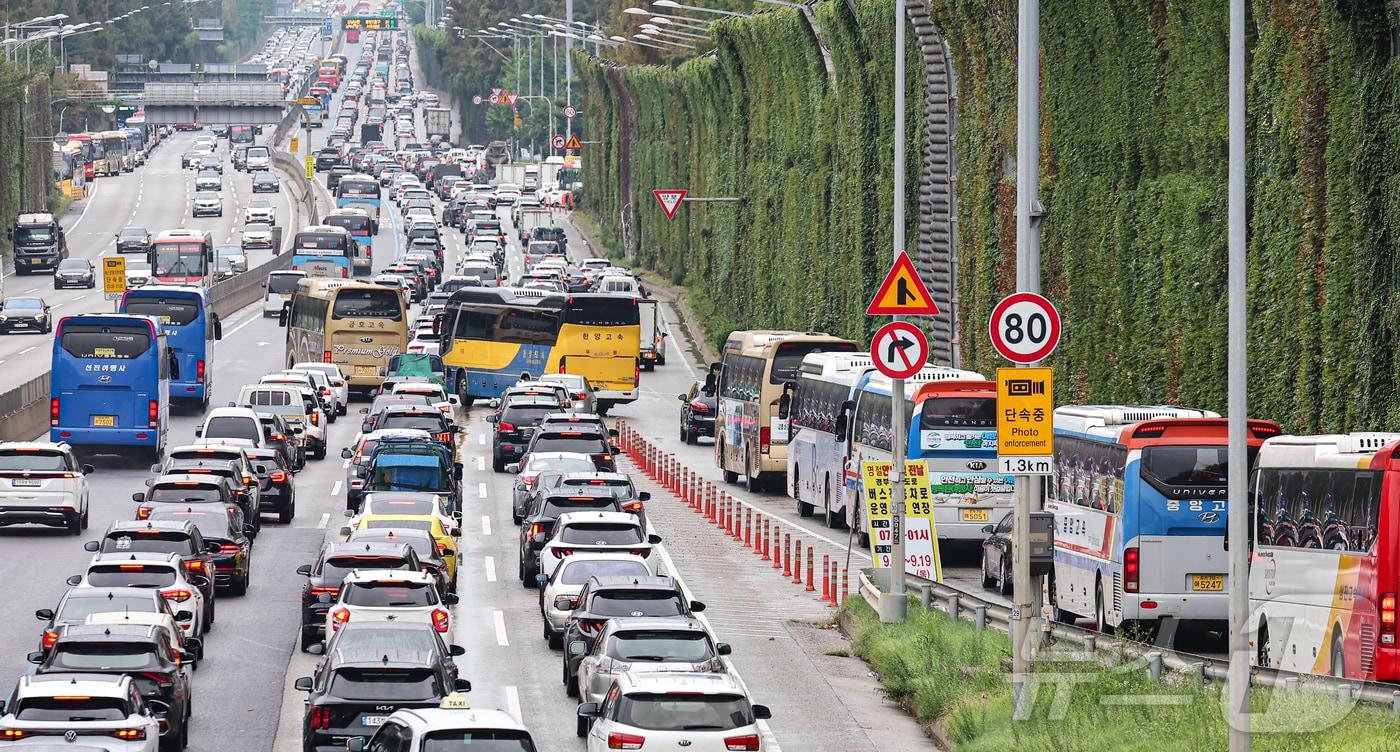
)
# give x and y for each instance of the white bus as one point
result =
(822, 403)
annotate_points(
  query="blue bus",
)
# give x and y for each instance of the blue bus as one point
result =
(323, 251)
(362, 192)
(110, 384)
(1138, 495)
(356, 221)
(191, 330)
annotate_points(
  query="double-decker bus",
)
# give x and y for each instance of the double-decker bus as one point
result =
(323, 251)
(191, 330)
(110, 384)
(183, 257)
(116, 153)
(756, 368)
(823, 399)
(1325, 568)
(357, 222)
(356, 326)
(360, 191)
(1139, 499)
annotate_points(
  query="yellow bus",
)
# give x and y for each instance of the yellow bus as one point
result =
(756, 369)
(356, 326)
(599, 339)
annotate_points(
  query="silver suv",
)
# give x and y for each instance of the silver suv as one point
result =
(43, 484)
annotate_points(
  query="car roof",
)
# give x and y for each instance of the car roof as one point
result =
(189, 478)
(647, 623)
(467, 719)
(375, 575)
(661, 682)
(146, 558)
(55, 684)
(131, 632)
(124, 526)
(373, 548)
(573, 518)
(636, 582)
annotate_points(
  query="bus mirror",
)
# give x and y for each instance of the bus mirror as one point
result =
(784, 405)
(218, 328)
(842, 425)
(282, 317)
(437, 325)
(711, 378)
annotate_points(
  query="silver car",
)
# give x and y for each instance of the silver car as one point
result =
(579, 389)
(559, 594)
(673, 643)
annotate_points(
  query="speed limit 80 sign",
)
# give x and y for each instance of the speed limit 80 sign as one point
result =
(1025, 327)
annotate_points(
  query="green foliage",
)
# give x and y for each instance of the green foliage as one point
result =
(161, 32)
(26, 168)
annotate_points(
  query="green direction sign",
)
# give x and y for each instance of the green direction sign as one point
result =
(369, 23)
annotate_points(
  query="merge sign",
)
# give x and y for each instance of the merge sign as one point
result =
(113, 277)
(1025, 421)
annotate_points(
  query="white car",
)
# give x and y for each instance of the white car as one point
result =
(138, 273)
(339, 385)
(424, 729)
(667, 643)
(100, 711)
(318, 380)
(42, 483)
(595, 532)
(260, 210)
(559, 594)
(277, 292)
(391, 595)
(236, 426)
(165, 572)
(708, 712)
(256, 235)
(434, 392)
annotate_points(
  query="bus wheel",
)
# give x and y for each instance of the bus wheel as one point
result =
(1339, 666)
(752, 480)
(1100, 612)
(1261, 652)
(803, 508)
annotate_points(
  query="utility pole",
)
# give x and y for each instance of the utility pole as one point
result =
(569, 63)
(1026, 589)
(1238, 397)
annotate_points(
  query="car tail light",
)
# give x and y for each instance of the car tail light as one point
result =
(199, 371)
(229, 549)
(320, 719)
(746, 742)
(642, 552)
(143, 512)
(163, 680)
(1388, 608)
(445, 437)
(153, 413)
(278, 437)
(195, 565)
(502, 426)
(632, 506)
(53, 411)
(1132, 570)
(326, 391)
(333, 592)
(625, 741)
(565, 603)
(765, 438)
(179, 596)
(529, 482)
(636, 375)
(562, 368)
(130, 734)
(344, 273)
(440, 620)
(315, 418)
(535, 529)
(338, 617)
(699, 407)
(50, 638)
(13, 734)
(325, 356)
(591, 626)
(581, 395)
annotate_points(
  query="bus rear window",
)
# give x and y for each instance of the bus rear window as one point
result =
(115, 343)
(169, 312)
(603, 311)
(958, 412)
(1186, 465)
(320, 244)
(788, 357)
(375, 304)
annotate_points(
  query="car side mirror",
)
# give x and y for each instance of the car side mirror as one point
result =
(282, 317)
(184, 615)
(138, 496)
(711, 378)
(513, 468)
(218, 329)
(364, 411)
(75, 580)
(350, 514)
(449, 599)
(495, 402)
(644, 496)
(44, 614)
(615, 448)
(92, 546)
(198, 580)
(493, 419)
(198, 433)
(304, 570)
(89, 469)
(723, 648)
(249, 530)
(461, 685)
(612, 432)
(987, 529)
(653, 539)
(346, 454)
(456, 651)
(457, 471)
(355, 744)
(542, 579)
(303, 684)
(345, 531)
(185, 656)
(35, 657)
(697, 606)
(586, 709)
(316, 648)
(682, 398)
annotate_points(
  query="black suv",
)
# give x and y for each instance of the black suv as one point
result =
(221, 526)
(584, 441)
(278, 434)
(357, 686)
(697, 413)
(618, 484)
(142, 651)
(538, 524)
(164, 537)
(515, 422)
(279, 493)
(604, 598)
(324, 576)
(238, 474)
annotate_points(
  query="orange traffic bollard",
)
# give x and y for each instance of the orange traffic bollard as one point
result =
(810, 586)
(845, 585)
(787, 558)
(796, 555)
(826, 576)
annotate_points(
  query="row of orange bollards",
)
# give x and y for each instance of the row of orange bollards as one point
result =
(736, 518)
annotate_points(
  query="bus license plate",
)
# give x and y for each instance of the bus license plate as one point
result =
(104, 421)
(372, 720)
(976, 515)
(366, 370)
(1208, 582)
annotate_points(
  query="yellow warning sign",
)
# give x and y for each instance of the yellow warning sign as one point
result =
(518, 121)
(310, 167)
(902, 293)
(1025, 421)
(573, 142)
(293, 146)
(113, 276)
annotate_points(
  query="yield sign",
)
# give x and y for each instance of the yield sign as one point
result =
(512, 97)
(573, 142)
(902, 293)
(670, 201)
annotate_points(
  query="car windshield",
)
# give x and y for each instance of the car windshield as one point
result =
(193, 493)
(389, 594)
(104, 656)
(134, 233)
(658, 646)
(601, 534)
(73, 265)
(424, 525)
(567, 464)
(76, 610)
(130, 575)
(385, 685)
(36, 461)
(477, 740)
(71, 709)
(577, 572)
(335, 569)
(582, 444)
(148, 541)
(28, 304)
(683, 712)
(402, 506)
(636, 603)
(429, 423)
(231, 427)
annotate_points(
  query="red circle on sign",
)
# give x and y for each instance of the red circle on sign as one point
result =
(1016, 314)
(898, 362)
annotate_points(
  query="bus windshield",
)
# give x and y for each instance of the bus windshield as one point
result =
(112, 342)
(358, 188)
(320, 244)
(179, 258)
(958, 412)
(603, 311)
(114, 145)
(169, 312)
(240, 134)
(376, 304)
(352, 225)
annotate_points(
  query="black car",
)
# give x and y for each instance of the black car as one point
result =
(604, 598)
(133, 239)
(142, 651)
(74, 272)
(265, 181)
(584, 441)
(618, 484)
(514, 423)
(326, 159)
(279, 435)
(278, 494)
(222, 526)
(164, 537)
(697, 413)
(239, 158)
(324, 576)
(540, 519)
(358, 685)
(25, 314)
(335, 173)
(996, 556)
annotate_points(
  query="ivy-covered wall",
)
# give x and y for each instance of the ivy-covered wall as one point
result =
(1133, 174)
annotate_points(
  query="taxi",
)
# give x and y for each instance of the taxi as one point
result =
(453, 724)
(444, 535)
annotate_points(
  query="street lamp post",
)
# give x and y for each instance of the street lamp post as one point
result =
(672, 4)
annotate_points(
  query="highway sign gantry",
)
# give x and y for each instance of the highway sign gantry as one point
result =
(899, 349)
(902, 293)
(670, 200)
(1025, 327)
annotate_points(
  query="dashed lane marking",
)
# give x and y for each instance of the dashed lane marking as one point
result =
(500, 619)
(485, 524)
(490, 568)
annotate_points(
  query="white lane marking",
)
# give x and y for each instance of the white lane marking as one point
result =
(485, 524)
(480, 487)
(480, 462)
(345, 464)
(500, 619)
(335, 490)
(32, 289)
(325, 520)
(86, 205)
(240, 326)
(513, 702)
(31, 347)
(481, 439)
(490, 568)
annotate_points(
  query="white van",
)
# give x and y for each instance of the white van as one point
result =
(257, 158)
(278, 289)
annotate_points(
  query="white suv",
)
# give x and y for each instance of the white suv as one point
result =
(89, 711)
(236, 426)
(165, 572)
(337, 381)
(391, 595)
(707, 712)
(42, 483)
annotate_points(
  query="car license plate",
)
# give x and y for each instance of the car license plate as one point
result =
(366, 370)
(104, 421)
(976, 515)
(372, 720)
(27, 482)
(1208, 582)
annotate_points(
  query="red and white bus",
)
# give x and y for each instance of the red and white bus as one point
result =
(1325, 559)
(182, 257)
